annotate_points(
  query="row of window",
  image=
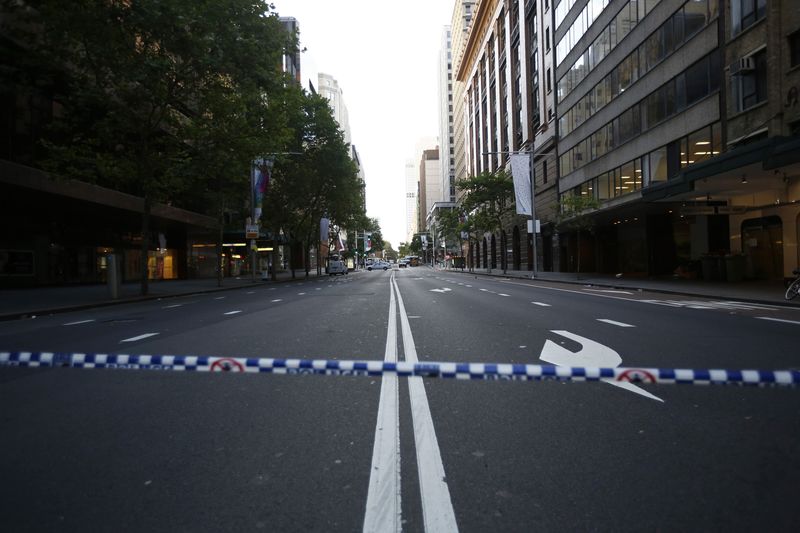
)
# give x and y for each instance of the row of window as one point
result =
(673, 33)
(581, 24)
(657, 166)
(696, 82)
(627, 18)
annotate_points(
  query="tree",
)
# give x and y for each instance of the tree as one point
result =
(574, 215)
(317, 179)
(135, 76)
(487, 200)
(449, 226)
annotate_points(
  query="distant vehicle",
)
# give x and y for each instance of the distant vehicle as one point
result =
(336, 266)
(402, 263)
(378, 265)
(413, 260)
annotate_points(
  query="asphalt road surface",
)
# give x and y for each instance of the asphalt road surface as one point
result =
(136, 450)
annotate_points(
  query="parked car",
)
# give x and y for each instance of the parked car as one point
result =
(378, 265)
(402, 263)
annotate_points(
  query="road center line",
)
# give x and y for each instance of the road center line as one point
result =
(78, 322)
(384, 510)
(437, 507)
(615, 323)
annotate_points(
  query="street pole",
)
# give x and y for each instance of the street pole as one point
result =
(533, 217)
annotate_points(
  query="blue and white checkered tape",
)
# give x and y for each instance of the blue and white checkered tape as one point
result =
(486, 371)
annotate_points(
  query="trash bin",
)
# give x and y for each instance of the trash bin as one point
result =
(734, 267)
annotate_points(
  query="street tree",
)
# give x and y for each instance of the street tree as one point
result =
(132, 75)
(488, 202)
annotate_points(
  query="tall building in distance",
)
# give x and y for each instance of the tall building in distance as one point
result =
(328, 87)
(447, 159)
(412, 186)
(430, 185)
(291, 58)
(459, 32)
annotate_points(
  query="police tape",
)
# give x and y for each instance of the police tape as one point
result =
(485, 371)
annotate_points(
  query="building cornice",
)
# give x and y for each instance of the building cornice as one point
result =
(484, 9)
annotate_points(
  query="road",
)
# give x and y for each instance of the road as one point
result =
(110, 450)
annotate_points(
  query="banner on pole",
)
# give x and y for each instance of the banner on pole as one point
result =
(521, 173)
(324, 229)
(259, 179)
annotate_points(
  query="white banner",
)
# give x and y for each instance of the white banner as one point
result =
(324, 229)
(521, 172)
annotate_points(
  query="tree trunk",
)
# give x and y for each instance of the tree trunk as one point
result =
(275, 256)
(220, 238)
(145, 246)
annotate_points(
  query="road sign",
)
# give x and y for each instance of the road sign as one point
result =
(251, 231)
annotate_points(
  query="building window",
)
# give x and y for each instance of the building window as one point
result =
(745, 13)
(750, 82)
(549, 83)
(794, 49)
(547, 38)
(544, 171)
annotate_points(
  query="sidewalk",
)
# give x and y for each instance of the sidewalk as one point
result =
(754, 291)
(20, 303)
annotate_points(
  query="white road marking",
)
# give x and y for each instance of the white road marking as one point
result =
(615, 323)
(501, 294)
(250, 292)
(278, 300)
(384, 510)
(139, 337)
(608, 291)
(470, 286)
(414, 316)
(591, 354)
(541, 304)
(778, 320)
(232, 312)
(484, 290)
(437, 507)
(219, 298)
(446, 289)
(301, 294)
(173, 306)
(78, 322)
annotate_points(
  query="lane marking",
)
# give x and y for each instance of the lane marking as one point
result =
(173, 306)
(501, 294)
(278, 300)
(78, 322)
(541, 304)
(250, 292)
(591, 354)
(384, 509)
(219, 298)
(232, 312)
(484, 290)
(609, 291)
(615, 323)
(671, 303)
(139, 337)
(301, 294)
(446, 289)
(437, 507)
(778, 320)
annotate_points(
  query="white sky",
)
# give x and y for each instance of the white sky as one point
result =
(385, 57)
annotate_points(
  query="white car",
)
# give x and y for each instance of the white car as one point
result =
(379, 265)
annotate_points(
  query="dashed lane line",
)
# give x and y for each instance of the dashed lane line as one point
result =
(139, 337)
(615, 323)
(78, 322)
(778, 320)
(233, 312)
(541, 304)
(173, 306)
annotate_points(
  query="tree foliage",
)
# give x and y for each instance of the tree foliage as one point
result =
(487, 201)
(574, 215)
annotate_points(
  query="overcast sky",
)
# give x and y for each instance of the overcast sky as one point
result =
(385, 57)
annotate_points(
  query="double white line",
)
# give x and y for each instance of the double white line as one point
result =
(384, 512)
